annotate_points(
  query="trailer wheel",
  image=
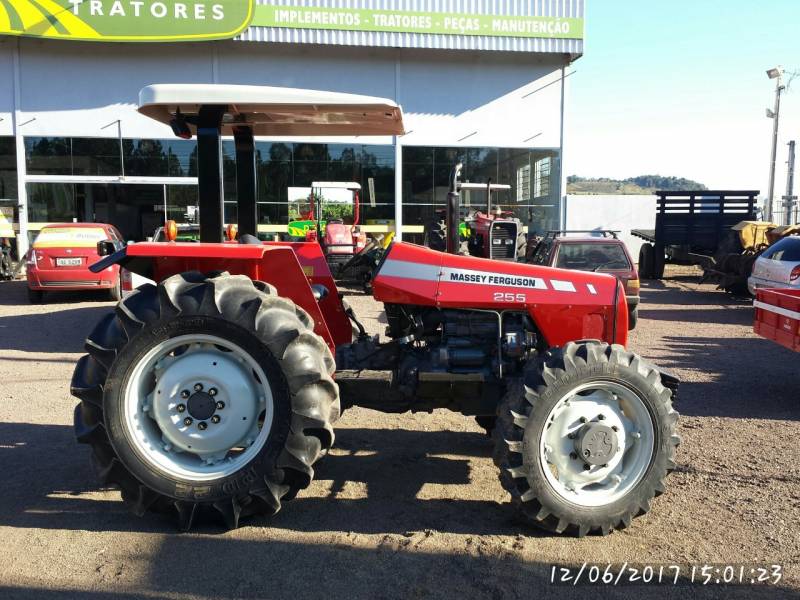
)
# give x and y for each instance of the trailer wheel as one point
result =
(585, 439)
(659, 259)
(646, 261)
(206, 394)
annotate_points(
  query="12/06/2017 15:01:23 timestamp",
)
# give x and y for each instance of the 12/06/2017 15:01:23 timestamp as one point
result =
(666, 574)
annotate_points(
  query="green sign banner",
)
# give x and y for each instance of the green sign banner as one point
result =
(300, 17)
(126, 20)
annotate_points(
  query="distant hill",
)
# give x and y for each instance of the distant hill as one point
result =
(642, 184)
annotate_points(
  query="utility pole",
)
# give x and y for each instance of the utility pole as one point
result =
(776, 74)
(790, 200)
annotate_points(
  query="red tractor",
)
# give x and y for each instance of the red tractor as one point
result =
(496, 233)
(339, 240)
(216, 389)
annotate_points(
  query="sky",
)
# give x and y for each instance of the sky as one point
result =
(679, 87)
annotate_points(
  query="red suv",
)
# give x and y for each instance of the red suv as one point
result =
(601, 251)
(61, 255)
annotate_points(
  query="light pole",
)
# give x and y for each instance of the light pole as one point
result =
(775, 74)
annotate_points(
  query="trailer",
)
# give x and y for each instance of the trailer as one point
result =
(777, 316)
(691, 228)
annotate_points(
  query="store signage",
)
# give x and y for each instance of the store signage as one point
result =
(301, 17)
(126, 20)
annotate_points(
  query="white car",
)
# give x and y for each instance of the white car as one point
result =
(777, 267)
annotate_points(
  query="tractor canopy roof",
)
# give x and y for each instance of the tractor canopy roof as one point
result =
(274, 111)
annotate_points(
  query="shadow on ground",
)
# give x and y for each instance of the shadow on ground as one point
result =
(15, 293)
(403, 562)
(52, 331)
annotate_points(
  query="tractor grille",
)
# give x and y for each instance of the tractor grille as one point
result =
(503, 241)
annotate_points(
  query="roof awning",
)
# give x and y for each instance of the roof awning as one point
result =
(275, 111)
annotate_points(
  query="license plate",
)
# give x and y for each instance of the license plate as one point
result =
(68, 262)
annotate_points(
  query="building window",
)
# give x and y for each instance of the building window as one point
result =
(8, 169)
(426, 174)
(541, 186)
(523, 183)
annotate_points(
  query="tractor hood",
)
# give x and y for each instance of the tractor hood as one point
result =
(566, 305)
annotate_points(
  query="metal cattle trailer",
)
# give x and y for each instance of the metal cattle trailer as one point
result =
(690, 226)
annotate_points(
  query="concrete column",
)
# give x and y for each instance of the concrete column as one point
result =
(398, 189)
(562, 172)
(22, 192)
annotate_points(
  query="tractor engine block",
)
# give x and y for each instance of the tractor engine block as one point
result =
(455, 359)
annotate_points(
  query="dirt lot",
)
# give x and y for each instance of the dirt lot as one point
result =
(408, 505)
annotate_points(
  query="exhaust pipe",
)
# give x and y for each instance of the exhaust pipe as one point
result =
(453, 211)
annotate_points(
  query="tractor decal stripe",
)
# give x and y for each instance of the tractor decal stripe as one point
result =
(562, 286)
(409, 270)
(450, 275)
(784, 312)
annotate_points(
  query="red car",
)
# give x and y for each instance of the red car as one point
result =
(61, 255)
(601, 252)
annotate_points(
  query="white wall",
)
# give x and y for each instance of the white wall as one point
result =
(450, 97)
(616, 212)
(7, 45)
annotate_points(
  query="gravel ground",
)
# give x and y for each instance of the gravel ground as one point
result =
(407, 505)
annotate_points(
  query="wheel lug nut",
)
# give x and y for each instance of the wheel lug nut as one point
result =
(212, 391)
(215, 419)
(180, 407)
(202, 425)
(198, 387)
(572, 436)
(601, 417)
(586, 467)
(583, 419)
(586, 453)
(185, 394)
(220, 405)
(573, 456)
(187, 421)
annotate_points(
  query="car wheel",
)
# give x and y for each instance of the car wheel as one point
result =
(115, 293)
(633, 318)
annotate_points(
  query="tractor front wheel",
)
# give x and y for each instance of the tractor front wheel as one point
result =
(585, 439)
(206, 394)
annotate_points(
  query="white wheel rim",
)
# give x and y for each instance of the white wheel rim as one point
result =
(576, 416)
(230, 407)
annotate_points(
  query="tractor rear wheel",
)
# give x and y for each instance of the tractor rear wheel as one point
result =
(585, 439)
(436, 237)
(206, 394)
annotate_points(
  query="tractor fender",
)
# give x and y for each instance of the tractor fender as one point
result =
(292, 267)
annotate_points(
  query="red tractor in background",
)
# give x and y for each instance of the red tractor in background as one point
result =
(340, 241)
(216, 390)
(496, 233)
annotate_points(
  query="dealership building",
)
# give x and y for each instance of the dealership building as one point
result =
(481, 82)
